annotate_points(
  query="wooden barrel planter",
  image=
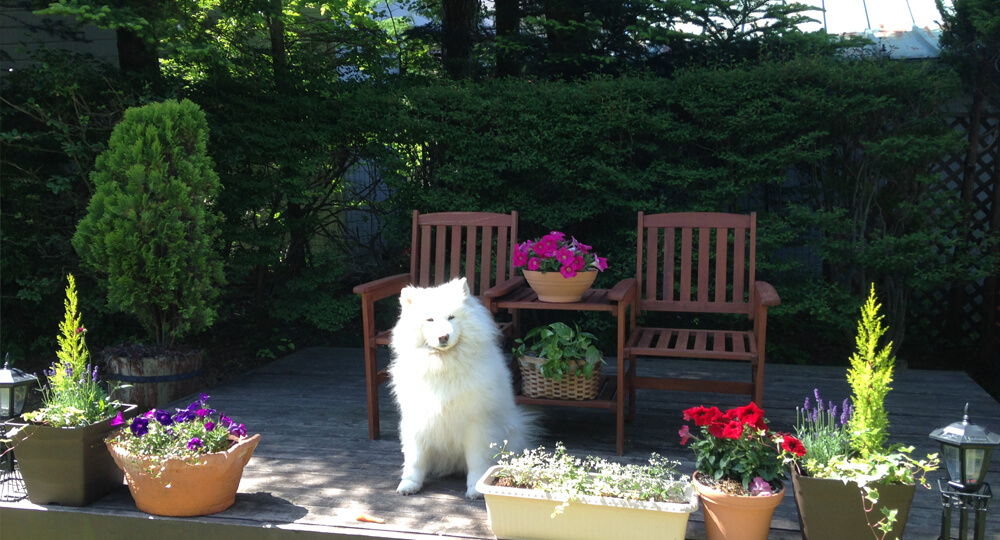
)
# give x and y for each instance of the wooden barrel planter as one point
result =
(156, 379)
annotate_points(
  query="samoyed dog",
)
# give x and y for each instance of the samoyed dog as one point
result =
(453, 387)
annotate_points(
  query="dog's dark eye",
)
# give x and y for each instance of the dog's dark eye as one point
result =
(430, 320)
(450, 317)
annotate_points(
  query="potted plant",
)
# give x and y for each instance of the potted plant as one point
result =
(556, 268)
(738, 468)
(188, 463)
(545, 495)
(150, 230)
(60, 451)
(850, 483)
(559, 362)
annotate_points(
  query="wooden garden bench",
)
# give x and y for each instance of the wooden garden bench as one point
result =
(699, 263)
(444, 246)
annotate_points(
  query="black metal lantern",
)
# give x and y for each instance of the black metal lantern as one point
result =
(13, 390)
(966, 449)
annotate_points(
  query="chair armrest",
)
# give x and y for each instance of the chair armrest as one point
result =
(504, 288)
(384, 287)
(766, 295)
(622, 290)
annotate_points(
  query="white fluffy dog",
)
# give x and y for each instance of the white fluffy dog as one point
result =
(452, 385)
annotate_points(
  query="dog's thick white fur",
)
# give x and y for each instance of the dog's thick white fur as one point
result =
(452, 386)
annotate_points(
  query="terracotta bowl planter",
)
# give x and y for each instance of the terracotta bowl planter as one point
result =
(736, 516)
(179, 488)
(553, 287)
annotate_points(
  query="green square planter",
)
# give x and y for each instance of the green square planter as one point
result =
(67, 466)
(832, 510)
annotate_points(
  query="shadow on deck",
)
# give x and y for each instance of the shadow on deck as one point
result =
(315, 471)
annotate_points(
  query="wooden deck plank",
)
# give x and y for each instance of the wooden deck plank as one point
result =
(315, 470)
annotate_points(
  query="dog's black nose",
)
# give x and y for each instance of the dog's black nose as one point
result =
(443, 339)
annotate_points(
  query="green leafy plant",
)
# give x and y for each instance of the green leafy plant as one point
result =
(558, 472)
(73, 396)
(856, 451)
(150, 226)
(564, 349)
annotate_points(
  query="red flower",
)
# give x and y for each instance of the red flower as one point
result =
(685, 434)
(752, 415)
(703, 416)
(733, 430)
(792, 445)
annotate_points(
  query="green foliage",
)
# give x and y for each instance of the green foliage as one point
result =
(563, 348)
(56, 116)
(151, 227)
(74, 397)
(870, 374)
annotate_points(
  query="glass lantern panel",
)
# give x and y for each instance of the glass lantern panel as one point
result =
(5, 395)
(974, 458)
(20, 394)
(952, 462)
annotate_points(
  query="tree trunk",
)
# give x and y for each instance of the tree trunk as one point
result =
(508, 22)
(459, 21)
(279, 56)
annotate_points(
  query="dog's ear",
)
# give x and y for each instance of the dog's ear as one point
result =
(406, 296)
(464, 284)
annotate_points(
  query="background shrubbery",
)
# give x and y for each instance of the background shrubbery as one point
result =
(321, 164)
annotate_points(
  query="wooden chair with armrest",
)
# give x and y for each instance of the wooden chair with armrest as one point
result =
(444, 246)
(699, 263)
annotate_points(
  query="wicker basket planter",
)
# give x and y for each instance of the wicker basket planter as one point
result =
(574, 386)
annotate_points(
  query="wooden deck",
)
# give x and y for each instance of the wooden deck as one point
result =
(315, 471)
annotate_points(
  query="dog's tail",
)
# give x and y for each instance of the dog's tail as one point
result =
(525, 430)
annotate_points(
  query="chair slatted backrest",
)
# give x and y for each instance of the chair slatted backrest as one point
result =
(476, 245)
(696, 262)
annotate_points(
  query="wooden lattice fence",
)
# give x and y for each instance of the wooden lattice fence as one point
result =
(974, 309)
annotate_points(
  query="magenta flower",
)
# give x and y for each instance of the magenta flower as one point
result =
(760, 488)
(534, 263)
(578, 264)
(519, 259)
(194, 443)
(567, 271)
(209, 426)
(118, 420)
(685, 434)
(601, 263)
(565, 255)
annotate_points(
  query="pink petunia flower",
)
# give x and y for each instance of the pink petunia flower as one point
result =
(567, 271)
(534, 263)
(685, 434)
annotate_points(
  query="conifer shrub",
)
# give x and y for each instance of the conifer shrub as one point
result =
(151, 225)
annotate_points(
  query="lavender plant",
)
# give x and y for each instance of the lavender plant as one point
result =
(73, 396)
(823, 430)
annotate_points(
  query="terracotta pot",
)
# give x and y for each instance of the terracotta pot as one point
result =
(67, 466)
(180, 488)
(516, 513)
(736, 516)
(154, 381)
(831, 509)
(553, 287)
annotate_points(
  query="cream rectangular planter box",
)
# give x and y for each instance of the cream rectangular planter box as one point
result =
(526, 514)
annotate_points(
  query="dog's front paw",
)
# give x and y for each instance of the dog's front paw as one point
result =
(408, 487)
(472, 494)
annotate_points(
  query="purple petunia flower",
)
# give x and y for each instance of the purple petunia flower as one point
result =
(139, 426)
(209, 426)
(225, 421)
(194, 443)
(239, 430)
(202, 413)
(760, 488)
(183, 415)
(163, 417)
